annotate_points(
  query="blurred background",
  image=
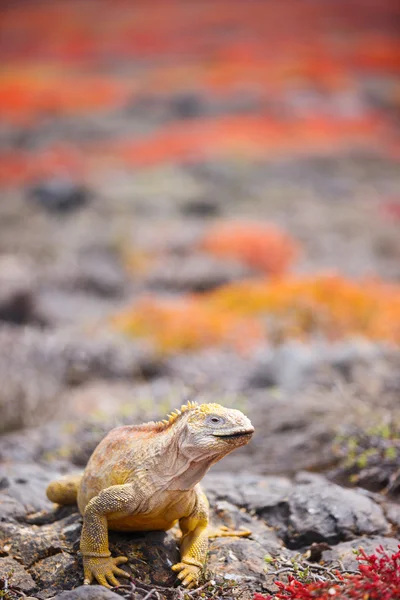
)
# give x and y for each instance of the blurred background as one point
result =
(201, 197)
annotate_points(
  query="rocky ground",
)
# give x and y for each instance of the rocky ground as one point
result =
(68, 377)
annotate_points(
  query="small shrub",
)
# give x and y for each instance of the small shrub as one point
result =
(370, 458)
(187, 324)
(263, 247)
(378, 579)
(243, 314)
(323, 304)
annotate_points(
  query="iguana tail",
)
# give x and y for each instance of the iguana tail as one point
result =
(64, 491)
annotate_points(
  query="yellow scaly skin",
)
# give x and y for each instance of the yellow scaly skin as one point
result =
(146, 477)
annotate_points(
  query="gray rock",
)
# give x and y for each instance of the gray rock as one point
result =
(88, 592)
(290, 365)
(392, 512)
(16, 575)
(58, 195)
(17, 291)
(316, 511)
(36, 366)
(23, 488)
(94, 269)
(55, 573)
(197, 273)
(10, 508)
(345, 551)
(294, 364)
(326, 512)
(253, 492)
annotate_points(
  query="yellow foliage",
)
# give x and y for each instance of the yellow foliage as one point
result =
(187, 324)
(328, 304)
(242, 314)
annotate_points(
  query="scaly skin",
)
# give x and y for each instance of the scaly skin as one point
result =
(146, 477)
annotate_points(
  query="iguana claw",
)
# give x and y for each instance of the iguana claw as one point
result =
(103, 570)
(188, 574)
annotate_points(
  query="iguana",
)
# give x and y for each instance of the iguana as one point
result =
(146, 477)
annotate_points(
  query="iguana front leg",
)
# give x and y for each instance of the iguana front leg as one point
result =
(97, 562)
(194, 542)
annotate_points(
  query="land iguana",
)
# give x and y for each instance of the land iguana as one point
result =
(146, 477)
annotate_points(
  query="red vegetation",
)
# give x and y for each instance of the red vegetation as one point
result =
(60, 60)
(263, 247)
(378, 579)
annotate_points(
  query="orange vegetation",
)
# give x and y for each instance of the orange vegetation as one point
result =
(263, 247)
(241, 314)
(187, 324)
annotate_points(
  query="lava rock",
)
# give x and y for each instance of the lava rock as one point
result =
(59, 195)
(315, 511)
(345, 552)
(17, 291)
(56, 573)
(325, 512)
(37, 366)
(16, 575)
(253, 492)
(196, 273)
(187, 106)
(23, 488)
(201, 208)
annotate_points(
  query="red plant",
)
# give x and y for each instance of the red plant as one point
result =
(261, 246)
(378, 579)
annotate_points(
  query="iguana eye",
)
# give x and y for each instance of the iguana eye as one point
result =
(215, 420)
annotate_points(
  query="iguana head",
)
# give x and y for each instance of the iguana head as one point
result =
(210, 430)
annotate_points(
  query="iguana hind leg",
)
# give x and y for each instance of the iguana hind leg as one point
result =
(64, 491)
(226, 532)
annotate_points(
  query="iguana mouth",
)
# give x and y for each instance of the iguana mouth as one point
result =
(234, 435)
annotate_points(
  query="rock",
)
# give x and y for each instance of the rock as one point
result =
(293, 364)
(252, 492)
(107, 356)
(16, 575)
(187, 106)
(93, 269)
(32, 544)
(88, 592)
(345, 551)
(197, 273)
(392, 512)
(10, 508)
(301, 514)
(201, 208)
(17, 291)
(59, 195)
(23, 488)
(325, 512)
(37, 366)
(56, 573)
(31, 377)
(290, 365)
